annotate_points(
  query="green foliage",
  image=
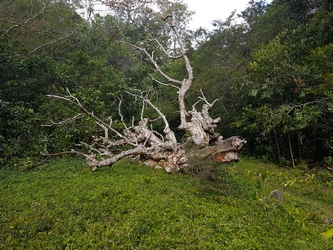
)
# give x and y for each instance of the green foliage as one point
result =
(328, 235)
(26, 27)
(30, 24)
(272, 74)
(287, 89)
(95, 70)
(220, 65)
(62, 204)
(23, 86)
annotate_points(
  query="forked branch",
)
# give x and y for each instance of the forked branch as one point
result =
(142, 142)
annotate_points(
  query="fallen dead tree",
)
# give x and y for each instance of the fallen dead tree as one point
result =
(154, 149)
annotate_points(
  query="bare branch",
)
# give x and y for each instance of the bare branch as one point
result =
(167, 17)
(193, 106)
(105, 128)
(107, 143)
(120, 114)
(90, 159)
(102, 151)
(28, 19)
(182, 47)
(164, 50)
(167, 129)
(71, 99)
(142, 110)
(151, 59)
(293, 106)
(203, 98)
(41, 46)
(162, 83)
(64, 121)
(72, 152)
(47, 43)
(151, 128)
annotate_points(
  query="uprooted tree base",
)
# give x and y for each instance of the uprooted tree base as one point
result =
(149, 146)
(171, 160)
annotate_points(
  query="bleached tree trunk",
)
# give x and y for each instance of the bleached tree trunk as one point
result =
(150, 147)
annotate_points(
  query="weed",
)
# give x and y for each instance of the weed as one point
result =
(63, 205)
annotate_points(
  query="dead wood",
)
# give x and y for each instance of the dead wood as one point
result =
(141, 142)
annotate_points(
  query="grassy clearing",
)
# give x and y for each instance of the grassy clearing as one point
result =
(63, 205)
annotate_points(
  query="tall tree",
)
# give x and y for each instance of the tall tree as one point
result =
(289, 92)
(29, 32)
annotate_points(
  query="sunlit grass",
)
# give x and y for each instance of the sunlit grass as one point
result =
(63, 205)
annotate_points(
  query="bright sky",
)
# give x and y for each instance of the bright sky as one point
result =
(209, 10)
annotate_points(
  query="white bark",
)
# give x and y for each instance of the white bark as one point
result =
(152, 148)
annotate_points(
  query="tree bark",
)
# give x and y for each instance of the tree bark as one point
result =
(150, 147)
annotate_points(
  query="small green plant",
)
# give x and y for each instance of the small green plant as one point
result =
(328, 234)
(329, 162)
(325, 176)
(263, 176)
(289, 182)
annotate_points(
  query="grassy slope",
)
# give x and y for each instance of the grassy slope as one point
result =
(63, 205)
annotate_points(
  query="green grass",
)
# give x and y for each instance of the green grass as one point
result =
(63, 205)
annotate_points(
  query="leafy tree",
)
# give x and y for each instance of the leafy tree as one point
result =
(32, 25)
(288, 92)
(26, 72)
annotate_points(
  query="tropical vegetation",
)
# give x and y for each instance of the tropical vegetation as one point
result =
(269, 67)
(63, 205)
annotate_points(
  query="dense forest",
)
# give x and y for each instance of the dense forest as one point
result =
(270, 67)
